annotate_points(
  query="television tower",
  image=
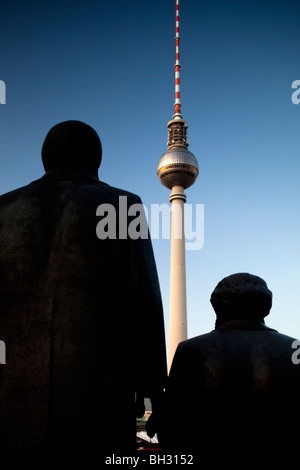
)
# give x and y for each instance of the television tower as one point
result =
(177, 170)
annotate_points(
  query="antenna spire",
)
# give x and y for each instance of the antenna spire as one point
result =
(177, 103)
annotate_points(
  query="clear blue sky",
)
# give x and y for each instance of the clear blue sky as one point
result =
(111, 64)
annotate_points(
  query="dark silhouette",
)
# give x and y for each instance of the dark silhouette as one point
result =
(234, 391)
(81, 317)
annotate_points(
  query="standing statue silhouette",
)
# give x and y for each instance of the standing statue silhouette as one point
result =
(81, 317)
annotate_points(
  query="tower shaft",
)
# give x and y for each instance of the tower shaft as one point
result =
(177, 308)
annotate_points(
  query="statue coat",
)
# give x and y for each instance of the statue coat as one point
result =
(81, 318)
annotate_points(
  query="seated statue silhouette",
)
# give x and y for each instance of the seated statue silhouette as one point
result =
(233, 393)
(81, 317)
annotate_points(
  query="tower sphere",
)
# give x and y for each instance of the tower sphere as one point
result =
(177, 166)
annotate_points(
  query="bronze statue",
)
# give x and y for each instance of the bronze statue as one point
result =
(233, 392)
(81, 317)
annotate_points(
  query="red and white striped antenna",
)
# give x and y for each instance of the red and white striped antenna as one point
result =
(177, 103)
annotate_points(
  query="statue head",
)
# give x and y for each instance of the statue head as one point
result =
(72, 144)
(241, 296)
